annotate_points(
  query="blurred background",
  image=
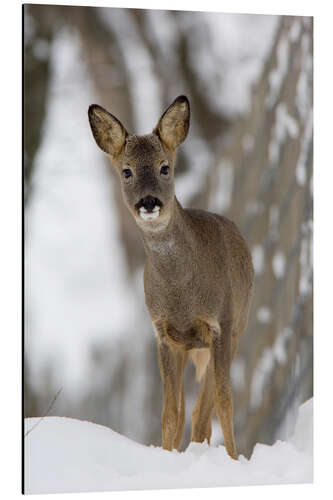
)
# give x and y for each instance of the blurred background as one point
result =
(248, 156)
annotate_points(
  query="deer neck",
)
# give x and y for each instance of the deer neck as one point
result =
(171, 246)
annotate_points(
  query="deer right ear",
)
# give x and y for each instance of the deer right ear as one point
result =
(109, 133)
(173, 125)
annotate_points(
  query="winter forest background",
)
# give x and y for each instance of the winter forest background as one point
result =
(248, 155)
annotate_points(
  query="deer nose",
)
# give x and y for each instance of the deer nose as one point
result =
(149, 203)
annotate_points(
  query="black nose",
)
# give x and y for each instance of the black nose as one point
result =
(149, 202)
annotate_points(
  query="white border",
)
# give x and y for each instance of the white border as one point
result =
(10, 262)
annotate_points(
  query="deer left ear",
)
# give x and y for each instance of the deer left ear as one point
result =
(173, 125)
(109, 133)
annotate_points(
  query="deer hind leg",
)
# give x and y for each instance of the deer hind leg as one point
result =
(203, 410)
(172, 361)
(222, 356)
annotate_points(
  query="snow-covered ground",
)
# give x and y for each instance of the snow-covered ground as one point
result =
(67, 455)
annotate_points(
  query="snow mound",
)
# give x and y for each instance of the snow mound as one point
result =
(64, 455)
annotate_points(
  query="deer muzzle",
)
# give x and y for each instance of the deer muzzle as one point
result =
(149, 207)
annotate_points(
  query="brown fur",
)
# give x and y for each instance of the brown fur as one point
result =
(200, 358)
(198, 275)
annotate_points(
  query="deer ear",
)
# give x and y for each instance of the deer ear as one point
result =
(173, 125)
(108, 132)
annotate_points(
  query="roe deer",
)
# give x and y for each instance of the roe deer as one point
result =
(198, 276)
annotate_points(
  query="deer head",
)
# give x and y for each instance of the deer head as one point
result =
(145, 164)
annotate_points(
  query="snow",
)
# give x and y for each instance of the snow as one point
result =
(285, 125)
(301, 172)
(276, 354)
(146, 95)
(246, 41)
(264, 315)
(254, 207)
(295, 30)
(279, 264)
(248, 143)
(237, 373)
(304, 84)
(220, 199)
(67, 455)
(258, 257)
(305, 282)
(199, 160)
(274, 219)
(304, 107)
(162, 29)
(277, 75)
(41, 49)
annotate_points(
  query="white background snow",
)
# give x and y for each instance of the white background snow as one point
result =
(64, 455)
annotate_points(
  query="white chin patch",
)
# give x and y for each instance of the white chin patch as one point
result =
(149, 215)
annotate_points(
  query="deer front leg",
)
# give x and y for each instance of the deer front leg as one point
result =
(222, 356)
(181, 420)
(172, 361)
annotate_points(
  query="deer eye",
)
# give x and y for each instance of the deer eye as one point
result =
(164, 170)
(127, 172)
